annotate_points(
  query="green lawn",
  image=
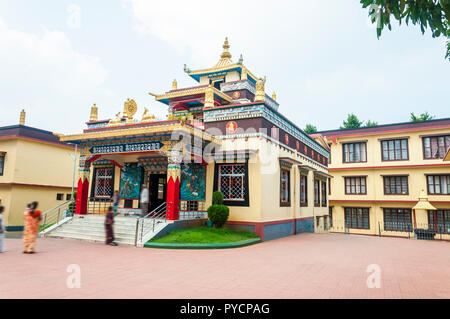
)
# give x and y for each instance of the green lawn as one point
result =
(204, 235)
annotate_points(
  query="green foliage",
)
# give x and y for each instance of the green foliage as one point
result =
(217, 198)
(369, 123)
(434, 14)
(218, 214)
(423, 117)
(352, 122)
(310, 129)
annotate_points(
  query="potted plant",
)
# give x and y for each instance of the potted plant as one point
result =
(218, 212)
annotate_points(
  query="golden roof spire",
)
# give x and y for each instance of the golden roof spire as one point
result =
(174, 84)
(274, 96)
(22, 117)
(94, 113)
(225, 57)
(225, 54)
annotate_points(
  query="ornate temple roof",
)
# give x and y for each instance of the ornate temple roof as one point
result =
(224, 64)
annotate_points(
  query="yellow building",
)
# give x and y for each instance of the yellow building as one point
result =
(379, 173)
(225, 133)
(34, 166)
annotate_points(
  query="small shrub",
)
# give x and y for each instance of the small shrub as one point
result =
(217, 198)
(218, 215)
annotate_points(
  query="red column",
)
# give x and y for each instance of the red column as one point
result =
(173, 185)
(83, 188)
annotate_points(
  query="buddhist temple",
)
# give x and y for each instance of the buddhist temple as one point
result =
(222, 133)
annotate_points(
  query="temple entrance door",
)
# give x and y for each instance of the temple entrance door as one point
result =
(157, 190)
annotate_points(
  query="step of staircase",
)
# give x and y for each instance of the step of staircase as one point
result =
(92, 228)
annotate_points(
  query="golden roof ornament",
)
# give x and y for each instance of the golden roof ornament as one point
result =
(260, 94)
(22, 117)
(209, 97)
(174, 84)
(241, 59)
(94, 113)
(423, 202)
(274, 96)
(244, 74)
(147, 117)
(225, 57)
(117, 120)
(129, 109)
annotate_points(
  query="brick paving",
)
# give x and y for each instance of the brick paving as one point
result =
(301, 266)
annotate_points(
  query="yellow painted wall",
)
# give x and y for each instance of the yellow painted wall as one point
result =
(33, 164)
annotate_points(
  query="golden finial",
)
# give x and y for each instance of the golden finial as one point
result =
(94, 113)
(225, 54)
(22, 117)
(274, 96)
(129, 109)
(117, 120)
(174, 84)
(260, 95)
(209, 97)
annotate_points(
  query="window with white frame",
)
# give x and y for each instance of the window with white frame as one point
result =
(231, 181)
(103, 182)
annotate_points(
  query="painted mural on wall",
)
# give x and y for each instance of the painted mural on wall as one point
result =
(193, 180)
(130, 182)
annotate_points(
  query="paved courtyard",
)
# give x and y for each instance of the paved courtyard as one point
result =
(301, 266)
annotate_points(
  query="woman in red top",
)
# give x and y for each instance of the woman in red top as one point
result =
(32, 219)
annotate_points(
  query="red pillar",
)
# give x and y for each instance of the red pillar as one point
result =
(173, 185)
(82, 196)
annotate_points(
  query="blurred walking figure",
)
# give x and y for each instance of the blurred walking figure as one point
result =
(144, 199)
(109, 222)
(2, 228)
(32, 219)
(116, 199)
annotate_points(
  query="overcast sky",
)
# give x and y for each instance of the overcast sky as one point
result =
(321, 57)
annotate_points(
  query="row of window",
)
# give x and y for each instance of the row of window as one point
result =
(398, 185)
(60, 196)
(434, 147)
(396, 219)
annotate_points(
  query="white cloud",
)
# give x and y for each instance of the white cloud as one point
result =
(45, 75)
(264, 28)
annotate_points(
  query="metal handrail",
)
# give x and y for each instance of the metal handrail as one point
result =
(54, 215)
(158, 213)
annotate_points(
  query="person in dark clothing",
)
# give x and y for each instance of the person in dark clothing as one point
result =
(109, 222)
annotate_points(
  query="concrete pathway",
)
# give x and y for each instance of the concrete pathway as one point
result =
(301, 266)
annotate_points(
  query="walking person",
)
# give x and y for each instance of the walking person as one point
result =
(109, 222)
(2, 229)
(32, 219)
(116, 199)
(144, 200)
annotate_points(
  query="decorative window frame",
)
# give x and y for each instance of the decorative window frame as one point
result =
(240, 203)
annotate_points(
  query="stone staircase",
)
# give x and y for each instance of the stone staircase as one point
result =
(92, 228)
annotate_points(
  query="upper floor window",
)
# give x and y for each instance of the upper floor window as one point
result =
(284, 188)
(103, 182)
(303, 190)
(316, 192)
(354, 152)
(438, 184)
(355, 185)
(394, 150)
(435, 146)
(395, 185)
(2, 163)
(231, 181)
